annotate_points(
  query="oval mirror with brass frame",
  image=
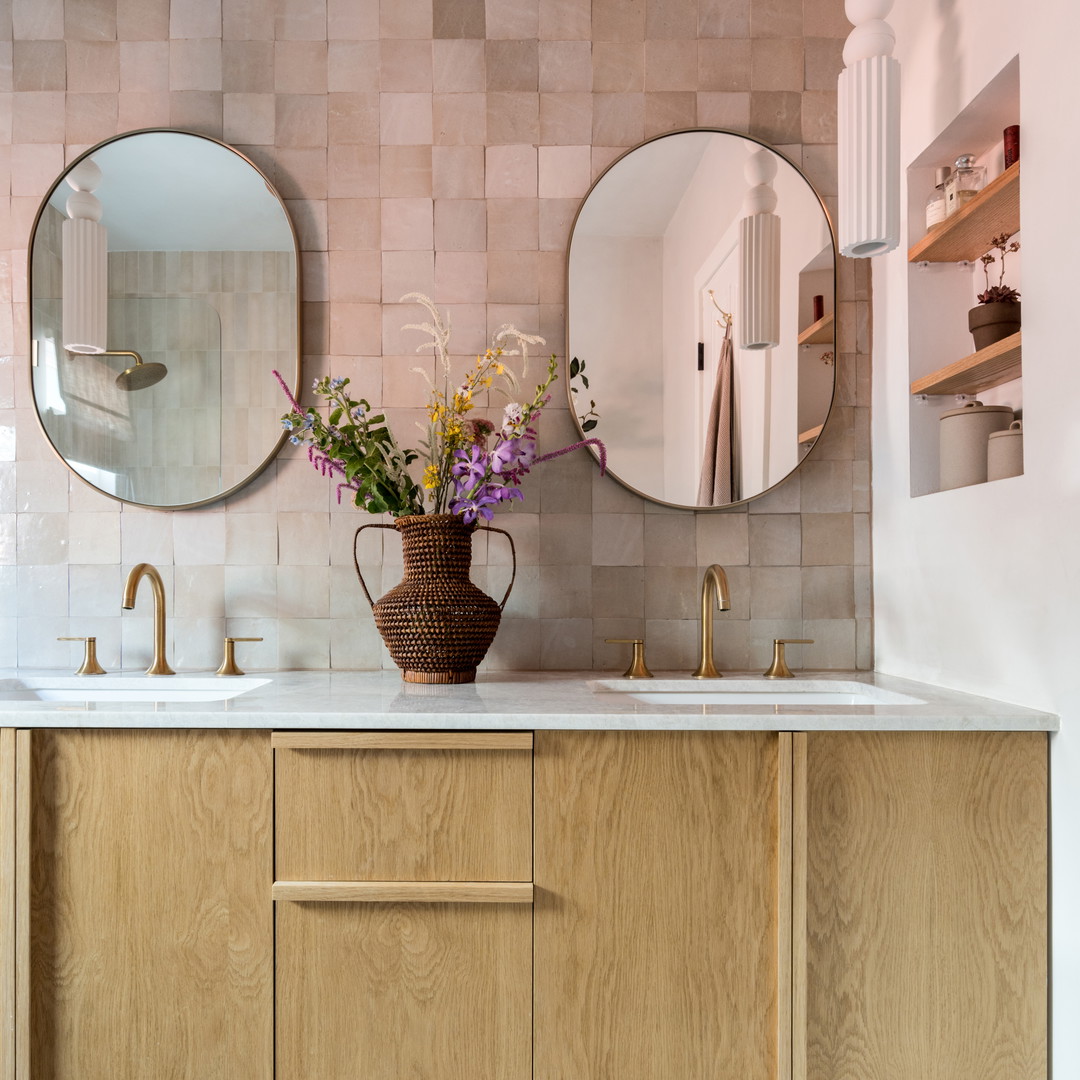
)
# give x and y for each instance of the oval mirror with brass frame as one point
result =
(164, 291)
(701, 284)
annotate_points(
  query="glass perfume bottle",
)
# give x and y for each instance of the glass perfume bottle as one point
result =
(935, 204)
(964, 184)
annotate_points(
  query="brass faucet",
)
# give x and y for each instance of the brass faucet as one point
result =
(714, 587)
(160, 665)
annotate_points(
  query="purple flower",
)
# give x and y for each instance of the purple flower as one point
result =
(504, 456)
(513, 455)
(470, 509)
(469, 468)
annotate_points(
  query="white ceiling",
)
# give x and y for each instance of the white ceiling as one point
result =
(171, 191)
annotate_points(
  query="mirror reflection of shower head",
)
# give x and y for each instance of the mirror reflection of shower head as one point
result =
(137, 377)
(140, 375)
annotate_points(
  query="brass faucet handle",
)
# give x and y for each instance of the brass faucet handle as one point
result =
(90, 665)
(228, 664)
(637, 668)
(778, 669)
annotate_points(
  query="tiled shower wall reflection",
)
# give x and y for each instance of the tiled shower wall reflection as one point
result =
(440, 147)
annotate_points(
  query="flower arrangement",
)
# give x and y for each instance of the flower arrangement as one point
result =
(470, 465)
(999, 293)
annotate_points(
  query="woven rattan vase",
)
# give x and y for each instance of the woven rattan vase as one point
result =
(437, 625)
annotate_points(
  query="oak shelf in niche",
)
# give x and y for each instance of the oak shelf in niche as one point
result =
(966, 235)
(818, 333)
(996, 364)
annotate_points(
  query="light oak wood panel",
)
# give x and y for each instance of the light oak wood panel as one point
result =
(23, 841)
(402, 740)
(7, 904)
(798, 905)
(818, 333)
(966, 235)
(151, 920)
(417, 991)
(403, 815)
(656, 905)
(983, 370)
(926, 906)
(406, 892)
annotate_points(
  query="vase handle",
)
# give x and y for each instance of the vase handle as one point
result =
(356, 560)
(513, 555)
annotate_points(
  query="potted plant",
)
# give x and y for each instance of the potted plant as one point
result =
(997, 314)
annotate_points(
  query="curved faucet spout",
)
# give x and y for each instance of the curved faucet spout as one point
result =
(160, 665)
(715, 594)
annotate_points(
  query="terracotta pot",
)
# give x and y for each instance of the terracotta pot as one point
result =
(436, 624)
(993, 322)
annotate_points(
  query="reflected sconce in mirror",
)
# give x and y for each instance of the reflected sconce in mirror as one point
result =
(868, 137)
(759, 257)
(86, 269)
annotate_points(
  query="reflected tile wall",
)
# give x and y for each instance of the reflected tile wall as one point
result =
(441, 145)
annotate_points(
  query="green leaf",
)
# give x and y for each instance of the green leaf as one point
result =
(584, 382)
(575, 367)
(588, 425)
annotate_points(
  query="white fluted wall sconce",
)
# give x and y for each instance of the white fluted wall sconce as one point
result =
(868, 135)
(759, 257)
(86, 268)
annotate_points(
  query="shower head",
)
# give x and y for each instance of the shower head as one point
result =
(140, 375)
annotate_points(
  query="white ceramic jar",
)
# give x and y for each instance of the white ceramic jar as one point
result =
(1005, 452)
(963, 437)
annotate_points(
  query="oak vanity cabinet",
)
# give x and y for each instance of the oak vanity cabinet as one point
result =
(922, 897)
(142, 938)
(812, 906)
(662, 921)
(403, 905)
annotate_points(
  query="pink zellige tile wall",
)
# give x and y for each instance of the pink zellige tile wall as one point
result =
(439, 146)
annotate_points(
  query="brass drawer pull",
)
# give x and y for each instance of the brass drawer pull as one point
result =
(406, 892)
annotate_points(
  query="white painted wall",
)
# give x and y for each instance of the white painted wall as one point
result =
(623, 355)
(979, 588)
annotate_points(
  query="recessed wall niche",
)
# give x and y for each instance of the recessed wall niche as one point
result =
(945, 276)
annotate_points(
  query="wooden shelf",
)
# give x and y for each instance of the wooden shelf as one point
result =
(810, 434)
(819, 333)
(967, 234)
(996, 364)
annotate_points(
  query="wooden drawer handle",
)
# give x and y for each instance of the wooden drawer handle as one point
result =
(406, 892)
(402, 740)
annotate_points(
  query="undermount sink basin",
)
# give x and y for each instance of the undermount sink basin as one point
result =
(754, 692)
(129, 688)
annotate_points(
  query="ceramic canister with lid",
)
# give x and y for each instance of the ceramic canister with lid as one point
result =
(1005, 452)
(963, 437)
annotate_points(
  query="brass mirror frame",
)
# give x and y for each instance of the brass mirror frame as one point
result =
(296, 374)
(836, 323)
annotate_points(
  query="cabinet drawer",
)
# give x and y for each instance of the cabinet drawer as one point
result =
(403, 806)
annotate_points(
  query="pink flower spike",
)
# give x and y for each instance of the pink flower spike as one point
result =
(601, 452)
(288, 393)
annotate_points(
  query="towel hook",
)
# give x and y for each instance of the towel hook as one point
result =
(727, 318)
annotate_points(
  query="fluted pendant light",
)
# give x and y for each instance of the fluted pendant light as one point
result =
(85, 258)
(759, 257)
(868, 136)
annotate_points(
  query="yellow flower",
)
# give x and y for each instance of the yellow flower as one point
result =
(431, 477)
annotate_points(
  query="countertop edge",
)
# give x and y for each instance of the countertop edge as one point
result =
(342, 700)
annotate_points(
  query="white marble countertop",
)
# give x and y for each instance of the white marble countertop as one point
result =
(514, 701)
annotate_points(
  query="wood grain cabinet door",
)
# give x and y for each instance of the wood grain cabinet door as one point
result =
(661, 871)
(403, 906)
(147, 941)
(925, 899)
